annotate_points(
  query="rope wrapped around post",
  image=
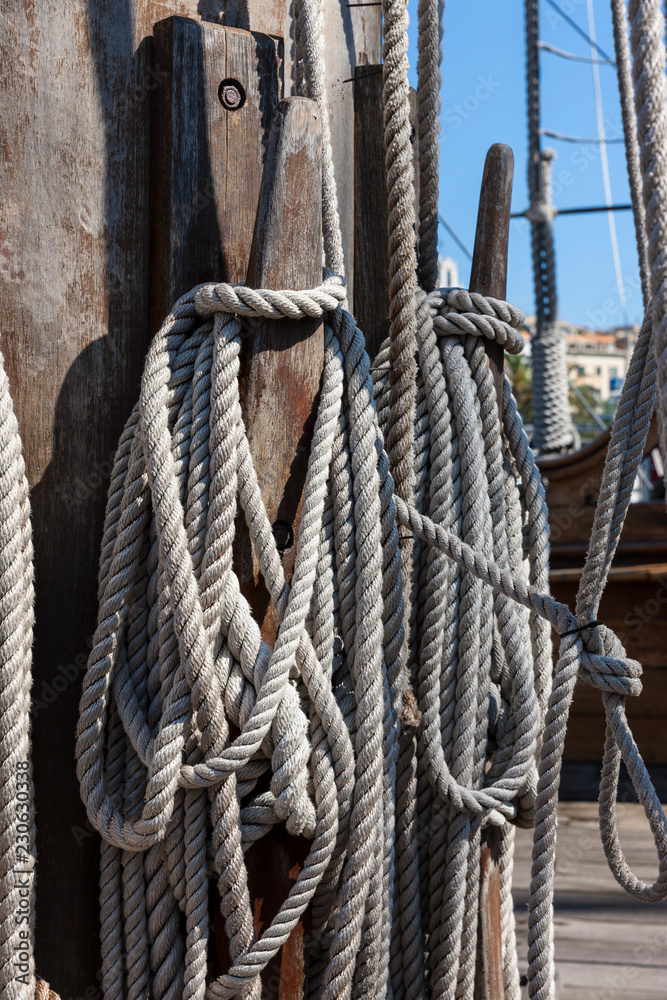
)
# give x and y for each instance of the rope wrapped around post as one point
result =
(177, 658)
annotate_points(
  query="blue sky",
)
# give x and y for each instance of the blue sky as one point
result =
(484, 101)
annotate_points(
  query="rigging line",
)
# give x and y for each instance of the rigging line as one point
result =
(576, 138)
(604, 163)
(547, 47)
(579, 31)
(457, 239)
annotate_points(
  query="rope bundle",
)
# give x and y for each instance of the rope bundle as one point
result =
(407, 701)
(178, 659)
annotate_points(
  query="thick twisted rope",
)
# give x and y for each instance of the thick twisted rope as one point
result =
(177, 658)
(428, 130)
(647, 31)
(174, 664)
(17, 822)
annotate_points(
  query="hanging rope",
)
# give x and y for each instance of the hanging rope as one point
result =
(17, 820)
(177, 659)
(647, 32)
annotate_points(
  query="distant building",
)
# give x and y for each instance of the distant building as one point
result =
(448, 273)
(596, 358)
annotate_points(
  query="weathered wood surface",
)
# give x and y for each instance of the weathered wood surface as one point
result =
(76, 87)
(281, 367)
(608, 945)
(207, 159)
(371, 243)
(489, 277)
(572, 485)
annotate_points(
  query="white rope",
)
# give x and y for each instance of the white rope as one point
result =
(17, 820)
(396, 716)
(178, 657)
(647, 32)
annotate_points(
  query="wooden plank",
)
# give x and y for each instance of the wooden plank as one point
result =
(489, 277)
(353, 38)
(281, 367)
(207, 159)
(615, 978)
(585, 741)
(630, 574)
(488, 273)
(371, 249)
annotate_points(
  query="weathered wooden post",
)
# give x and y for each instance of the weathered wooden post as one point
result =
(489, 277)
(281, 367)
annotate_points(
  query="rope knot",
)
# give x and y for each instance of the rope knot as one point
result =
(237, 300)
(458, 312)
(605, 665)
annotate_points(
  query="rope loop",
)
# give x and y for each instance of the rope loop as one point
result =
(238, 300)
(460, 312)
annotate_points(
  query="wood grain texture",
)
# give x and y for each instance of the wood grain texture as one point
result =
(637, 612)
(352, 38)
(489, 277)
(207, 161)
(608, 945)
(281, 368)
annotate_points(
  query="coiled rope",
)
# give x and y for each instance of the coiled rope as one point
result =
(407, 702)
(17, 820)
(647, 33)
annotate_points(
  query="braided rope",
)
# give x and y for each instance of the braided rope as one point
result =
(170, 609)
(428, 128)
(647, 32)
(17, 823)
(310, 79)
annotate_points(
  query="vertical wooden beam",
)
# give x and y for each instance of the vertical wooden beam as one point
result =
(371, 250)
(489, 277)
(281, 367)
(488, 274)
(211, 112)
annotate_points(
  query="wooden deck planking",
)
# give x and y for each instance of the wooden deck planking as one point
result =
(608, 945)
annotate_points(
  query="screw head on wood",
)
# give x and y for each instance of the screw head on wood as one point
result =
(283, 535)
(231, 94)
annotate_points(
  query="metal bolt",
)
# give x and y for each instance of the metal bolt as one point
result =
(283, 535)
(231, 94)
